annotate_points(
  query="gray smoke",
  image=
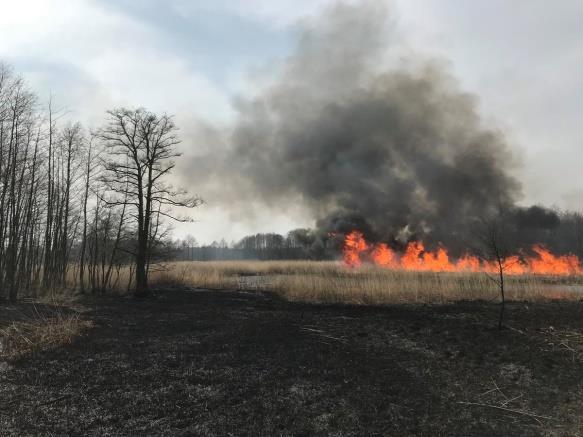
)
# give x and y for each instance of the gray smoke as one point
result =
(364, 139)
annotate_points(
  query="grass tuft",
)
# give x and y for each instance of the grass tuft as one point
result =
(35, 331)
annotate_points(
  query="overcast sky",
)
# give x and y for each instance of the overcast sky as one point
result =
(192, 57)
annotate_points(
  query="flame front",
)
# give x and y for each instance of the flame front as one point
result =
(354, 245)
(417, 258)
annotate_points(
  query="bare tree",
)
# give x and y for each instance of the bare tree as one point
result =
(89, 167)
(19, 150)
(496, 245)
(63, 208)
(140, 147)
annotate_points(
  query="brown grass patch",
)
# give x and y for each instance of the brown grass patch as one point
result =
(33, 331)
(332, 282)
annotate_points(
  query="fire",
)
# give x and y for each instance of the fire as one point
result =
(382, 255)
(354, 245)
(551, 264)
(417, 258)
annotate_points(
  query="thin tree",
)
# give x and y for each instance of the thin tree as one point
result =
(496, 244)
(86, 187)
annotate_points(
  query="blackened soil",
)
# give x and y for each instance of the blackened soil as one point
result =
(220, 363)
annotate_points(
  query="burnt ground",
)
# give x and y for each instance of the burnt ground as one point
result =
(235, 363)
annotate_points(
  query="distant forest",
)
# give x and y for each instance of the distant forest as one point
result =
(297, 244)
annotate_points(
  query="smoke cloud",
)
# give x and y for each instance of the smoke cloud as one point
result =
(363, 139)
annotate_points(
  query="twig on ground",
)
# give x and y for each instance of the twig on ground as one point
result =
(322, 334)
(498, 389)
(52, 401)
(510, 410)
(510, 400)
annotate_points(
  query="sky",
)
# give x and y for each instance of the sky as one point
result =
(192, 58)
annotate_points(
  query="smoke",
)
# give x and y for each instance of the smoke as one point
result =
(536, 217)
(364, 139)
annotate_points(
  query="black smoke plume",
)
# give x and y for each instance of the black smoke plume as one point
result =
(366, 140)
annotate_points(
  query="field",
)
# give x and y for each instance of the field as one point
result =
(332, 282)
(217, 363)
(297, 349)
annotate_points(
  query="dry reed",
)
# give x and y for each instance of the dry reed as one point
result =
(38, 330)
(332, 282)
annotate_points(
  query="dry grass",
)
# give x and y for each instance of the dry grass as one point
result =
(331, 282)
(35, 328)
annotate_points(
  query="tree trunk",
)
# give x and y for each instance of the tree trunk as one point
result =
(141, 276)
(84, 237)
(503, 298)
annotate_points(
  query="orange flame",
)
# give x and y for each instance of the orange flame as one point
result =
(354, 245)
(382, 255)
(417, 258)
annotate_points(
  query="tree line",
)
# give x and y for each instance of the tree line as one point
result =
(297, 244)
(77, 205)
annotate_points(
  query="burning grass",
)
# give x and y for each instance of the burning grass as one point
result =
(333, 282)
(416, 257)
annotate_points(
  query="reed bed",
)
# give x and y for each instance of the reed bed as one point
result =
(332, 282)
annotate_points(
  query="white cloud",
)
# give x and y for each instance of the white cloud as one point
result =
(279, 13)
(119, 56)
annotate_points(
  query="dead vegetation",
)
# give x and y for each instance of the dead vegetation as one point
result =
(29, 328)
(332, 282)
(226, 362)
